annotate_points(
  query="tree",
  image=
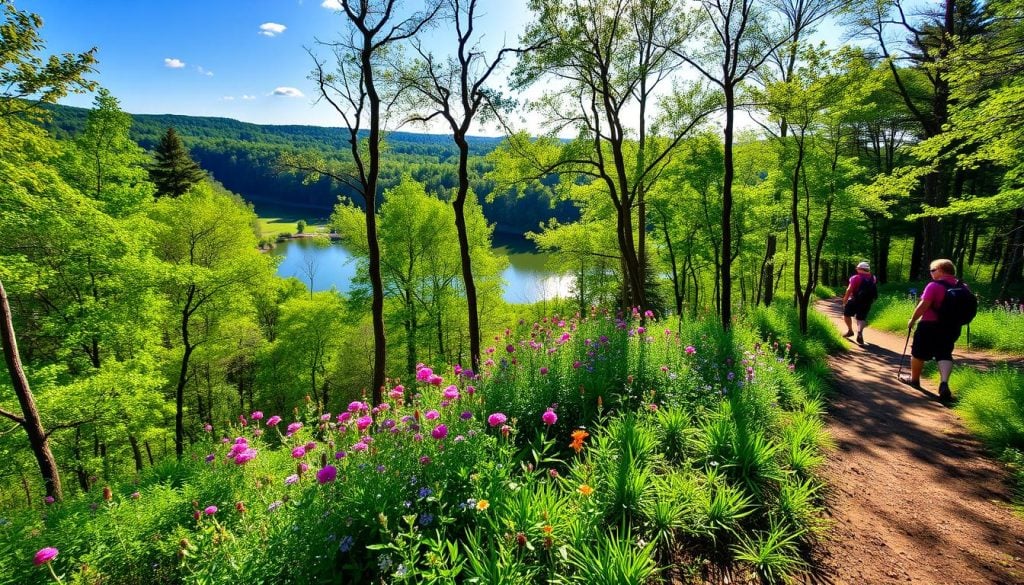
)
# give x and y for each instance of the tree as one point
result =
(356, 92)
(24, 74)
(610, 58)
(740, 36)
(211, 263)
(457, 92)
(173, 171)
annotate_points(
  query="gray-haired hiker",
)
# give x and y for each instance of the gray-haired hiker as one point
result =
(860, 294)
(946, 305)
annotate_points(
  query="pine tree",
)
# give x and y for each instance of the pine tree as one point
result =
(174, 171)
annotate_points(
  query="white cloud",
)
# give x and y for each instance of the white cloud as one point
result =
(228, 98)
(331, 4)
(287, 92)
(174, 63)
(201, 71)
(248, 97)
(271, 29)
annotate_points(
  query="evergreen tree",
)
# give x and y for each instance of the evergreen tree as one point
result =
(174, 171)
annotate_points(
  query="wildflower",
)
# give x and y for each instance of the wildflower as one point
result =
(577, 439)
(291, 479)
(303, 467)
(451, 392)
(482, 505)
(397, 392)
(424, 374)
(586, 490)
(256, 415)
(439, 432)
(245, 456)
(549, 417)
(340, 455)
(49, 500)
(44, 555)
(648, 314)
(272, 421)
(521, 539)
(310, 446)
(210, 510)
(690, 350)
(543, 371)
(345, 545)
(426, 519)
(208, 428)
(355, 406)
(505, 430)
(496, 419)
(299, 452)
(431, 415)
(553, 473)
(274, 505)
(363, 422)
(344, 417)
(466, 415)
(242, 420)
(326, 475)
(135, 495)
(240, 506)
(470, 390)
(293, 428)
(435, 380)
(211, 457)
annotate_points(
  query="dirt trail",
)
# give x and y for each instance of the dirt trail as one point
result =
(913, 496)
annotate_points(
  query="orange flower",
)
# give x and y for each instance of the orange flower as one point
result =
(586, 490)
(548, 528)
(577, 440)
(482, 505)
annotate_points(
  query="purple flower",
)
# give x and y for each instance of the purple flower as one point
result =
(344, 417)
(291, 479)
(212, 456)
(44, 555)
(245, 456)
(310, 446)
(303, 467)
(293, 428)
(360, 446)
(690, 350)
(355, 406)
(299, 452)
(543, 371)
(431, 415)
(210, 510)
(257, 415)
(49, 500)
(274, 505)
(496, 419)
(424, 460)
(272, 421)
(451, 392)
(363, 422)
(549, 417)
(510, 348)
(424, 374)
(340, 455)
(327, 474)
(439, 432)
(466, 415)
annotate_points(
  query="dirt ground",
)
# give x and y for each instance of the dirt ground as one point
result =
(914, 497)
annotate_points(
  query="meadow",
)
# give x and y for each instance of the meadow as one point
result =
(598, 449)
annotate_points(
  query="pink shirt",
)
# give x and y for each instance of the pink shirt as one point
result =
(935, 292)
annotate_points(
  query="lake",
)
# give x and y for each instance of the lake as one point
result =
(527, 278)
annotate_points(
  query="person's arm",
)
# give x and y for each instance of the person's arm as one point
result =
(922, 306)
(849, 293)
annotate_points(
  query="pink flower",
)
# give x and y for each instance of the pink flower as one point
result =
(543, 371)
(245, 456)
(549, 417)
(431, 415)
(360, 446)
(363, 422)
(208, 427)
(510, 348)
(310, 446)
(44, 556)
(327, 474)
(293, 428)
(135, 495)
(648, 313)
(49, 500)
(435, 380)
(451, 392)
(355, 406)
(303, 467)
(496, 419)
(299, 452)
(257, 415)
(344, 417)
(272, 421)
(439, 432)
(424, 374)
(291, 479)
(470, 390)
(397, 392)
(210, 510)
(690, 350)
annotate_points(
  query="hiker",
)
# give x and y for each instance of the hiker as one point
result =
(860, 293)
(938, 329)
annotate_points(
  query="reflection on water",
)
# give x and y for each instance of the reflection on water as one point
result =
(527, 278)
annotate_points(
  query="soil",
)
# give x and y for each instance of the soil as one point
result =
(913, 497)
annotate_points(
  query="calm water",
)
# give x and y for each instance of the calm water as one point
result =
(527, 279)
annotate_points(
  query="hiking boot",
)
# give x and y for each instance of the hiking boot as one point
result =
(944, 394)
(848, 334)
(860, 339)
(915, 384)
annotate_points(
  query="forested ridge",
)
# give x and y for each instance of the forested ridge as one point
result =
(176, 412)
(244, 158)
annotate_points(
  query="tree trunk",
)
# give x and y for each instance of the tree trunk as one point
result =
(179, 393)
(370, 196)
(467, 268)
(726, 292)
(29, 419)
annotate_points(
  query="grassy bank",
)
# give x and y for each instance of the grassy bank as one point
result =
(607, 449)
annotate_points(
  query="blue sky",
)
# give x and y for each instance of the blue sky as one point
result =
(238, 59)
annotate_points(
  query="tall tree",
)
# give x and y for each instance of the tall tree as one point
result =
(357, 93)
(173, 171)
(740, 35)
(28, 79)
(457, 91)
(609, 59)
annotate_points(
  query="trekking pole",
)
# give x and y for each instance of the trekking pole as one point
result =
(904, 356)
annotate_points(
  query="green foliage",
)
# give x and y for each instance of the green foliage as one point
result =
(173, 171)
(993, 327)
(992, 404)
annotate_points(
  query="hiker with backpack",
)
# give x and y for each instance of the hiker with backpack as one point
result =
(946, 305)
(860, 294)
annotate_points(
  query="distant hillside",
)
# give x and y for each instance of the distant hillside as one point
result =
(242, 157)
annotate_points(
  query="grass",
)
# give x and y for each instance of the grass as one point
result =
(275, 226)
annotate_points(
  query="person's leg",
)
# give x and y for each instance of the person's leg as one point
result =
(849, 326)
(916, 366)
(945, 369)
(861, 324)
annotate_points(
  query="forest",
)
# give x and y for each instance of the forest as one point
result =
(176, 412)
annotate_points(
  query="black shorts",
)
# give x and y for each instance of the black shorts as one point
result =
(855, 309)
(933, 340)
